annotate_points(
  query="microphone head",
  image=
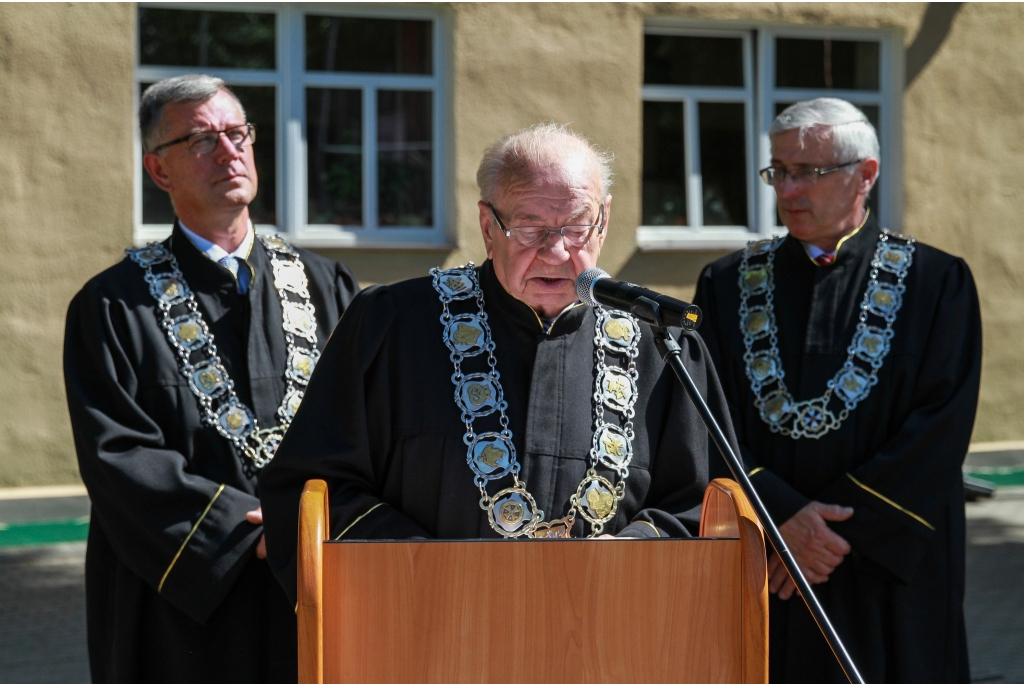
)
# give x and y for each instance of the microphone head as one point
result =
(585, 285)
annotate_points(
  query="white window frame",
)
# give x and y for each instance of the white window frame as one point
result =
(763, 96)
(290, 80)
(697, 234)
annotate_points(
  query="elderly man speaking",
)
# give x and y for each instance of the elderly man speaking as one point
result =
(486, 401)
(851, 357)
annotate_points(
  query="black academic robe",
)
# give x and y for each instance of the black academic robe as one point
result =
(157, 475)
(381, 426)
(897, 599)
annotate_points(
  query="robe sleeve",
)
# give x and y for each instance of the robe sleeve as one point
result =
(185, 535)
(900, 493)
(333, 439)
(780, 498)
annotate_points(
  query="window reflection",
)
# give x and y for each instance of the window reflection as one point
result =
(190, 38)
(826, 64)
(664, 174)
(382, 46)
(693, 60)
(723, 163)
(334, 136)
(405, 158)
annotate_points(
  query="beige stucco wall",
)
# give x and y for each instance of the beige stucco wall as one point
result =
(65, 207)
(66, 80)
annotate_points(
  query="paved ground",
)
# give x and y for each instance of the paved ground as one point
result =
(994, 604)
(42, 609)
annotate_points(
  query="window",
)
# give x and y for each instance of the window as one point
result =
(348, 110)
(709, 97)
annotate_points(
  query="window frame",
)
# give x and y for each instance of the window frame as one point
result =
(690, 97)
(290, 80)
(761, 206)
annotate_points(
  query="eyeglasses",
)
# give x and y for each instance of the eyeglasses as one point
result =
(531, 236)
(776, 176)
(205, 142)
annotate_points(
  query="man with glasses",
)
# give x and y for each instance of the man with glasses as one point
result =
(851, 358)
(184, 366)
(559, 420)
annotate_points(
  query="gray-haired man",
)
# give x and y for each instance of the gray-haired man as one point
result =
(560, 420)
(851, 358)
(184, 365)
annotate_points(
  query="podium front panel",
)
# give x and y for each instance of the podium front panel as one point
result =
(593, 611)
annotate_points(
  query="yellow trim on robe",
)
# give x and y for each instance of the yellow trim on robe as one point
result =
(656, 531)
(757, 470)
(867, 213)
(160, 587)
(890, 502)
(349, 527)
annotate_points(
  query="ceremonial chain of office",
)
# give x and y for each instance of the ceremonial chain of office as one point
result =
(513, 512)
(191, 338)
(853, 382)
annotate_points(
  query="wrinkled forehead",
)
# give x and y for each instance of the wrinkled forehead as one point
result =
(570, 186)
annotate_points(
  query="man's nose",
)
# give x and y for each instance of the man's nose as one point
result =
(790, 188)
(226, 150)
(553, 250)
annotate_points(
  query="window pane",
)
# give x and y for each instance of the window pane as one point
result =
(664, 175)
(190, 38)
(405, 152)
(260, 109)
(826, 64)
(693, 61)
(723, 164)
(383, 46)
(334, 137)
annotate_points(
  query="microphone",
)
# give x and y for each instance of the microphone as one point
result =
(595, 286)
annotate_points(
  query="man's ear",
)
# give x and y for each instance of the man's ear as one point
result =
(607, 218)
(485, 225)
(868, 175)
(154, 165)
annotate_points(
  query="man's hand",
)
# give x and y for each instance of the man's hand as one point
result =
(814, 546)
(256, 516)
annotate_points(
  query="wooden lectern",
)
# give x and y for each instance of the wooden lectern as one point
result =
(593, 611)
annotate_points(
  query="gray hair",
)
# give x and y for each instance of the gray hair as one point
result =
(852, 135)
(187, 88)
(516, 154)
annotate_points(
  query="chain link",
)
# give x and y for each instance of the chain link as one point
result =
(596, 498)
(813, 418)
(208, 379)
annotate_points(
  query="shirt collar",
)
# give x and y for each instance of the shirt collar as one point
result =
(216, 252)
(813, 251)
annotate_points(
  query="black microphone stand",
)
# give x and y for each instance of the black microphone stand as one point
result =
(671, 354)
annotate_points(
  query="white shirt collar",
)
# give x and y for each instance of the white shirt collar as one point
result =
(216, 252)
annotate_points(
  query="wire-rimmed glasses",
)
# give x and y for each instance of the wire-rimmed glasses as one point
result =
(530, 236)
(776, 176)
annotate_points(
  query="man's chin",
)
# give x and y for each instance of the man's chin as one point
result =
(549, 299)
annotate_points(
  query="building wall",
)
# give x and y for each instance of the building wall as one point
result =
(65, 207)
(66, 127)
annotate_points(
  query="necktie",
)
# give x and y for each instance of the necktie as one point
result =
(825, 259)
(241, 275)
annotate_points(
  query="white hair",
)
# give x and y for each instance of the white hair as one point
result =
(517, 154)
(852, 135)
